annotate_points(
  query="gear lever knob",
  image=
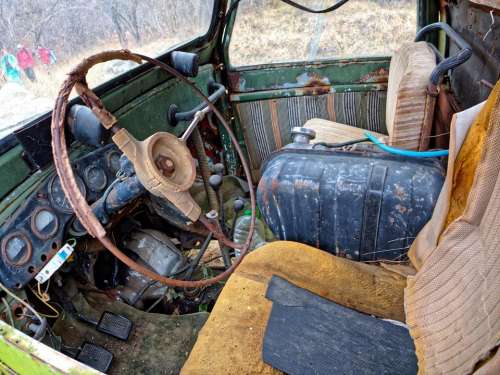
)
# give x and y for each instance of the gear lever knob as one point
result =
(215, 181)
(239, 204)
(218, 168)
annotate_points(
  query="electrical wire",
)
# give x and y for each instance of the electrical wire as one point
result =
(331, 8)
(45, 298)
(43, 321)
(9, 311)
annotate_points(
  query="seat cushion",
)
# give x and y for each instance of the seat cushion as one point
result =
(409, 73)
(231, 340)
(334, 132)
(453, 302)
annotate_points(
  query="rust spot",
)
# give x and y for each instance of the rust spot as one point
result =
(313, 84)
(379, 75)
(165, 165)
(401, 209)
(399, 192)
(234, 81)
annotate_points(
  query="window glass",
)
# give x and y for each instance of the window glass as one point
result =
(41, 40)
(268, 31)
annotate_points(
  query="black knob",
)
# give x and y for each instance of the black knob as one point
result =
(215, 181)
(239, 204)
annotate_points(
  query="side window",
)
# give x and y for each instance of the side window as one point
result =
(41, 40)
(270, 31)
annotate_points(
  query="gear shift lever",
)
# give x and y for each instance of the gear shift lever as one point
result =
(215, 181)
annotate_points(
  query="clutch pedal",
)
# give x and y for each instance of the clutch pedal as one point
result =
(111, 324)
(95, 356)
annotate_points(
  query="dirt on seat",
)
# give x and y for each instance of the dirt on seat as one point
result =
(231, 340)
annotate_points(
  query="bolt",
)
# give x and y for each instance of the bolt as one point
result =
(165, 165)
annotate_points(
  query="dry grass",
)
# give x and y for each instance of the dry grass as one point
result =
(266, 31)
(278, 32)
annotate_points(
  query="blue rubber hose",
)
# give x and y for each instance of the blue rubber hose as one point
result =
(408, 153)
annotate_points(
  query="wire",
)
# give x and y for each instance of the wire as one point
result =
(43, 322)
(9, 311)
(45, 298)
(295, 5)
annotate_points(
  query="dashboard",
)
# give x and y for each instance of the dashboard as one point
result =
(35, 232)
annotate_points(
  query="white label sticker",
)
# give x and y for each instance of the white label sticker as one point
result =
(55, 263)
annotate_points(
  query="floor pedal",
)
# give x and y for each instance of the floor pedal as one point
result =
(95, 356)
(115, 325)
(111, 324)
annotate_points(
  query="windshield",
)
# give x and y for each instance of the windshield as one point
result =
(270, 31)
(41, 40)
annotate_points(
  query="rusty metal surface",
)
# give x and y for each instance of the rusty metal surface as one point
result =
(77, 201)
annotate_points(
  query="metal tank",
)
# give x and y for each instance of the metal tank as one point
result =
(359, 203)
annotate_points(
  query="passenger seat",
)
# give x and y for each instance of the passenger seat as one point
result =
(409, 108)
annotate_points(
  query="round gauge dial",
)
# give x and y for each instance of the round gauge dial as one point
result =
(113, 160)
(96, 178)
(16, 249)
(57, 196)
(44, 222)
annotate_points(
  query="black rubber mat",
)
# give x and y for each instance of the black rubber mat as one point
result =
(95, 356)
(307, 334)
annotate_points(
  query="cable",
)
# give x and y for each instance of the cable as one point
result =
(9, 311)
(43, 322)
(408, 153)
(44, 298)
(338, 145)
(295, 5)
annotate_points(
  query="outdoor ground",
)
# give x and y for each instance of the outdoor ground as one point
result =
(263, 34)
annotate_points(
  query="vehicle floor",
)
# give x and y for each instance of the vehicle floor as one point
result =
(158, 343)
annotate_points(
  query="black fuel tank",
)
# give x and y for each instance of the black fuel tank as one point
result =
(362, 204)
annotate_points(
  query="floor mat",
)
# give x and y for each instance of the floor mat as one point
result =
(158, 344)
(307, 334)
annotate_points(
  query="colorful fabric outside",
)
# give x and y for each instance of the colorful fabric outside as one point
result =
(9, 67)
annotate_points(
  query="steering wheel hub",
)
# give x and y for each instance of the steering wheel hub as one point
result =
(164, 166)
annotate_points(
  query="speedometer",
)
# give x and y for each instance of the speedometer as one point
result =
(58, 198)
(16, 249)
(44, 222)
(96, 178)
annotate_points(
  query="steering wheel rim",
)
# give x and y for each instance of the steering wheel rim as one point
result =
(77, 79)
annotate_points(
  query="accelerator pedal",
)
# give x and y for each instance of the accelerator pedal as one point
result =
(111, 324)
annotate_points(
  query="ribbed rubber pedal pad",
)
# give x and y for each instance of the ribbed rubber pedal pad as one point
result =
(115, 325)
(95, 356)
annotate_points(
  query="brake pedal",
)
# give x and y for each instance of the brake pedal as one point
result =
(111, 324)
(115, 325)
(95, 356)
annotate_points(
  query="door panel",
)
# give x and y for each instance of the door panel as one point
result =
(270, 100)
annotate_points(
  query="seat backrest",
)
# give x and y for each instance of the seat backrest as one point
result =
(409, 74)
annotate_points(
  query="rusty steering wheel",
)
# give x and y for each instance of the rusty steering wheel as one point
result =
(171, 182)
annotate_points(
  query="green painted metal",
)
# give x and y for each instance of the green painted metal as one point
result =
(25, 356)
(285, 76)
(282, 93)
(13, 170)
(147, 114)
(11, 202)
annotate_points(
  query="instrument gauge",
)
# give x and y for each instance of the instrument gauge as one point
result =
(96, 178)
(44, 222)
(16, 249)
(113, 161)
(57, 196)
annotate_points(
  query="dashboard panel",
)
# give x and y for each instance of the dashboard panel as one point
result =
(35, 232)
